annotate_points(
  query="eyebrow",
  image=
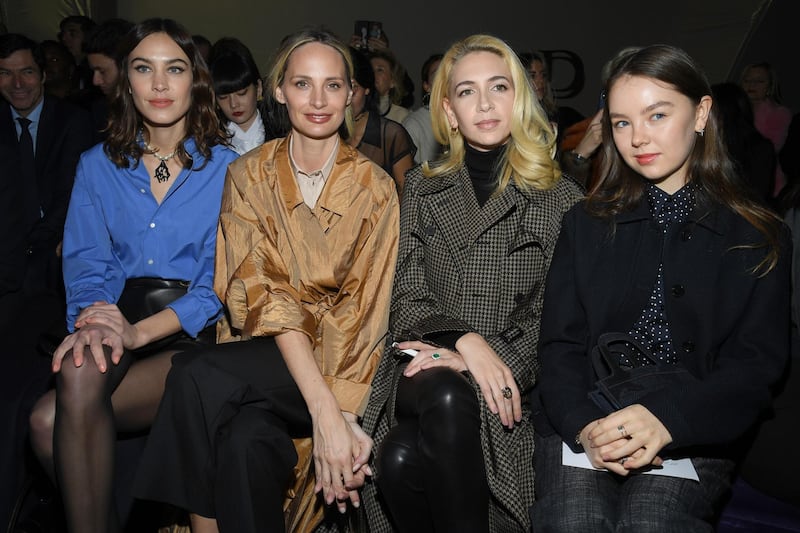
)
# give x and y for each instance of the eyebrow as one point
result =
(651, 107)
(307, 77)
(493, 78)
(168, 61)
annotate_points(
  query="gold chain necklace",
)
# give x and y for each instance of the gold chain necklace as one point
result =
(162, 172)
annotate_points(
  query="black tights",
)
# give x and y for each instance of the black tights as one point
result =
(432, 475)
(74, 430)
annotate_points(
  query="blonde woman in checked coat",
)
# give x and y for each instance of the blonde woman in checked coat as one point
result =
(476, 235)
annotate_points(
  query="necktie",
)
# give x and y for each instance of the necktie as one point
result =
(27, 167)
(27, 161)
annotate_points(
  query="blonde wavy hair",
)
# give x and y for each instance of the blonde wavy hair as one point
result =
(528, 157)
(292, 42)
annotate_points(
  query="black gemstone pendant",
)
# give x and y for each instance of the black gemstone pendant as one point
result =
(162, 172)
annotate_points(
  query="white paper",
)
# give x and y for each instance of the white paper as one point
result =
(682, 468)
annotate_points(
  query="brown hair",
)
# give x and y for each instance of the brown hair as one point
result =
(125, 121)
(710, 169)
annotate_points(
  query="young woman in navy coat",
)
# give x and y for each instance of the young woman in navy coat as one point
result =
(668, 249)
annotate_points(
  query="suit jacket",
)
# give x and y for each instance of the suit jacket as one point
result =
(65, 131)
(12, 216)
(464, 268)
(730, 327)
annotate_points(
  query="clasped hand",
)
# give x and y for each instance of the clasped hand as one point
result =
(100, 324)
(625, 440)
(341, 452)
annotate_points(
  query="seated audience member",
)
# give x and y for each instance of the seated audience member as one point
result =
(752, 153)
(538, 69)
(477, 230)
(73, 31)
(49, 135)
(579, 148)
(203, 46)
(760, 82)
(692, 278)
(102, 53)
(101, 47)
(138, 252)
(305, 260)
(41, 139)
(59, 68)
(579, 145)
(418, 123)
(237, 85)
(383, 140)
(387, 85)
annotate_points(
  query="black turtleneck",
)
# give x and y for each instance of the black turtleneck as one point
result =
(482, 167)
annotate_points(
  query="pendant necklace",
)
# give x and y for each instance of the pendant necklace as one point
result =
(162, 172)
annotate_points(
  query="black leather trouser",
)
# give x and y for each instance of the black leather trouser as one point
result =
(431, 469)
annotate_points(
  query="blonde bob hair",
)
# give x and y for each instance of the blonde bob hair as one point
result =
(528, 157)
(292, 42)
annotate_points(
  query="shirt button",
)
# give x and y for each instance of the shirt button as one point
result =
(142, 191)
(149, 261)
(152, 224)
(686, 235)
(688, 346)
(678, 291)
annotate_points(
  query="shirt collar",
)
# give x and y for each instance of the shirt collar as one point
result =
(326, 169)
(670, 208)
(244, 141)
(33, 116)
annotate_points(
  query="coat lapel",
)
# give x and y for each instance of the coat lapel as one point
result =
(338, 191)
(45, 136)
(8, 132)
(454, 211)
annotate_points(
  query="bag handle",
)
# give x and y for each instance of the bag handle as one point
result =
(605, 359)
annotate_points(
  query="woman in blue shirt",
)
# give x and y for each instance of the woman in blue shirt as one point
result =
(144, 205)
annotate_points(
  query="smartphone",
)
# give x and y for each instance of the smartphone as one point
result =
(366, 29)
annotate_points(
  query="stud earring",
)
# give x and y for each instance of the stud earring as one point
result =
(702, 132)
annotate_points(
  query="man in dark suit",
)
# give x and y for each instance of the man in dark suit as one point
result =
(41, 139)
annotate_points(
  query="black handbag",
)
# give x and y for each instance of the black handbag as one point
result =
(626, 372)
(141, 298)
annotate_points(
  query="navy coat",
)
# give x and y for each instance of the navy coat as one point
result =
(730, 326)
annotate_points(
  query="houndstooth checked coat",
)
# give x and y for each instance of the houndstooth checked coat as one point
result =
(465, 268)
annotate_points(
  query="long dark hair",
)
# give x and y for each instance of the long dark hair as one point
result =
(619, 188)
(125, 121)
(364, 76)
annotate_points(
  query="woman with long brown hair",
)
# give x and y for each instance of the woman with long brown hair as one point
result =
(691, 277)
(141, 222)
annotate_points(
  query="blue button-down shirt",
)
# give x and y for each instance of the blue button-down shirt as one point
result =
(116, 230)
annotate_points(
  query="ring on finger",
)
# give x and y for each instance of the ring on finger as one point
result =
(622, 430)
(436, 356)
(507, 393)
(622, 461)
